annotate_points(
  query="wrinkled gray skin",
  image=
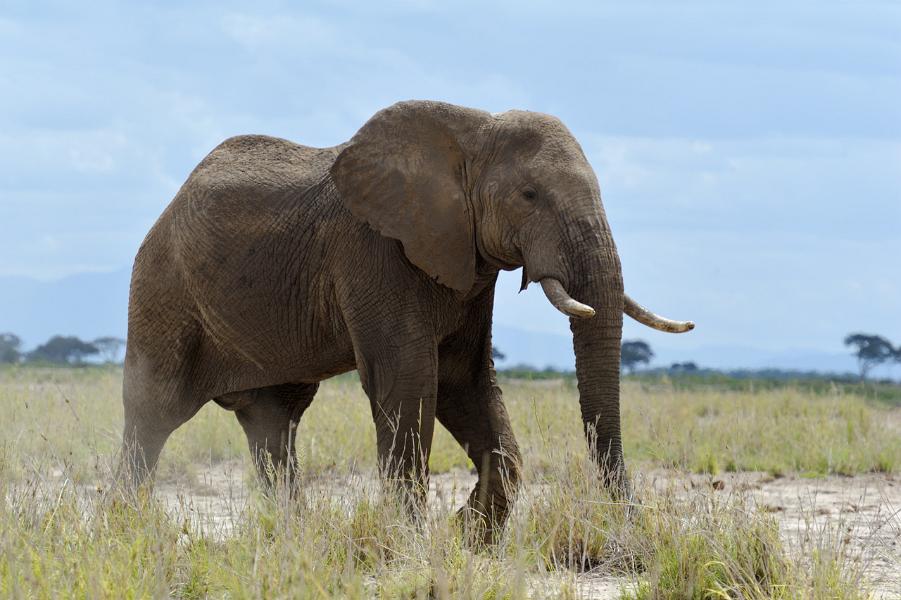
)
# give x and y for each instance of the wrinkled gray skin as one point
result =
(278, 265)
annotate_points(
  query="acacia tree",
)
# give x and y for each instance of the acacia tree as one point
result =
(870, 350)
(109, 348)
(635, 352)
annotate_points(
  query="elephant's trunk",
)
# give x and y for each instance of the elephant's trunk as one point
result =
(597, 281)
(593, 276)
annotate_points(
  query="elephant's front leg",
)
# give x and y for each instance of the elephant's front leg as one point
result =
(471, 408)
(400, 378)
(474, 414)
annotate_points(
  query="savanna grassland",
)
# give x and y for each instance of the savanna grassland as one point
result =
(745, 492)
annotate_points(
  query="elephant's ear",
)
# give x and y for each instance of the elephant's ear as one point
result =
(402, 173)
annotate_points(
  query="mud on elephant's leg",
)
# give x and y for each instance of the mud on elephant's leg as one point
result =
(402, 389)
(269, 417)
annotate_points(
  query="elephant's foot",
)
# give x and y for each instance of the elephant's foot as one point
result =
(485, 513)
(482, 526)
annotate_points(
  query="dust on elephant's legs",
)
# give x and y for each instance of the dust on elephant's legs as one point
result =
(269, 417)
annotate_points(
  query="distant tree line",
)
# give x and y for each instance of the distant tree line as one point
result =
(60, 350)
(870, 350)
(632, 354)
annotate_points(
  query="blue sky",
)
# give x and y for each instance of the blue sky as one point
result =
(749, 153)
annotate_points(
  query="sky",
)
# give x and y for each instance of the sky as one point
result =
(749, 153)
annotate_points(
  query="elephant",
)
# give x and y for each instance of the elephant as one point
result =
(277, 266)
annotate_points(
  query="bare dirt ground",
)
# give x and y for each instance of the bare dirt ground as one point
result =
(863, 511)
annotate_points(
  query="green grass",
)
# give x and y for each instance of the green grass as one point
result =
(888, 394)
(709, 430)
(60, 538)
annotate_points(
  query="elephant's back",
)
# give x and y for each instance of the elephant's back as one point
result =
(247, 193)
(260, 163)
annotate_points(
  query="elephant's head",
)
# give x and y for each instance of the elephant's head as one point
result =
(466, 191)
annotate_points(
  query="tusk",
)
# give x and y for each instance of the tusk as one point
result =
(557, 296)
(562, 301)
(646, 317)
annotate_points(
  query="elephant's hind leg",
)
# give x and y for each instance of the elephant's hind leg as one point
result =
(155, 406)
(269, 417)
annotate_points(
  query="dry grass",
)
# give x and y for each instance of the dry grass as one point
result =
(342, 538)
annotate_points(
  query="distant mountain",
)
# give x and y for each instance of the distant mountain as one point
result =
(90, 305)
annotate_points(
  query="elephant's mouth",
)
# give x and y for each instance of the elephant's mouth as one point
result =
(496, 262)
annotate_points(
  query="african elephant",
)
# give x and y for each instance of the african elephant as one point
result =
(278, 265)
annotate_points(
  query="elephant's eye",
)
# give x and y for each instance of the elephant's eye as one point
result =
(529, 193)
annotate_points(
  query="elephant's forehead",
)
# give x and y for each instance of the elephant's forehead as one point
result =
(543, 136)
(560, 161)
